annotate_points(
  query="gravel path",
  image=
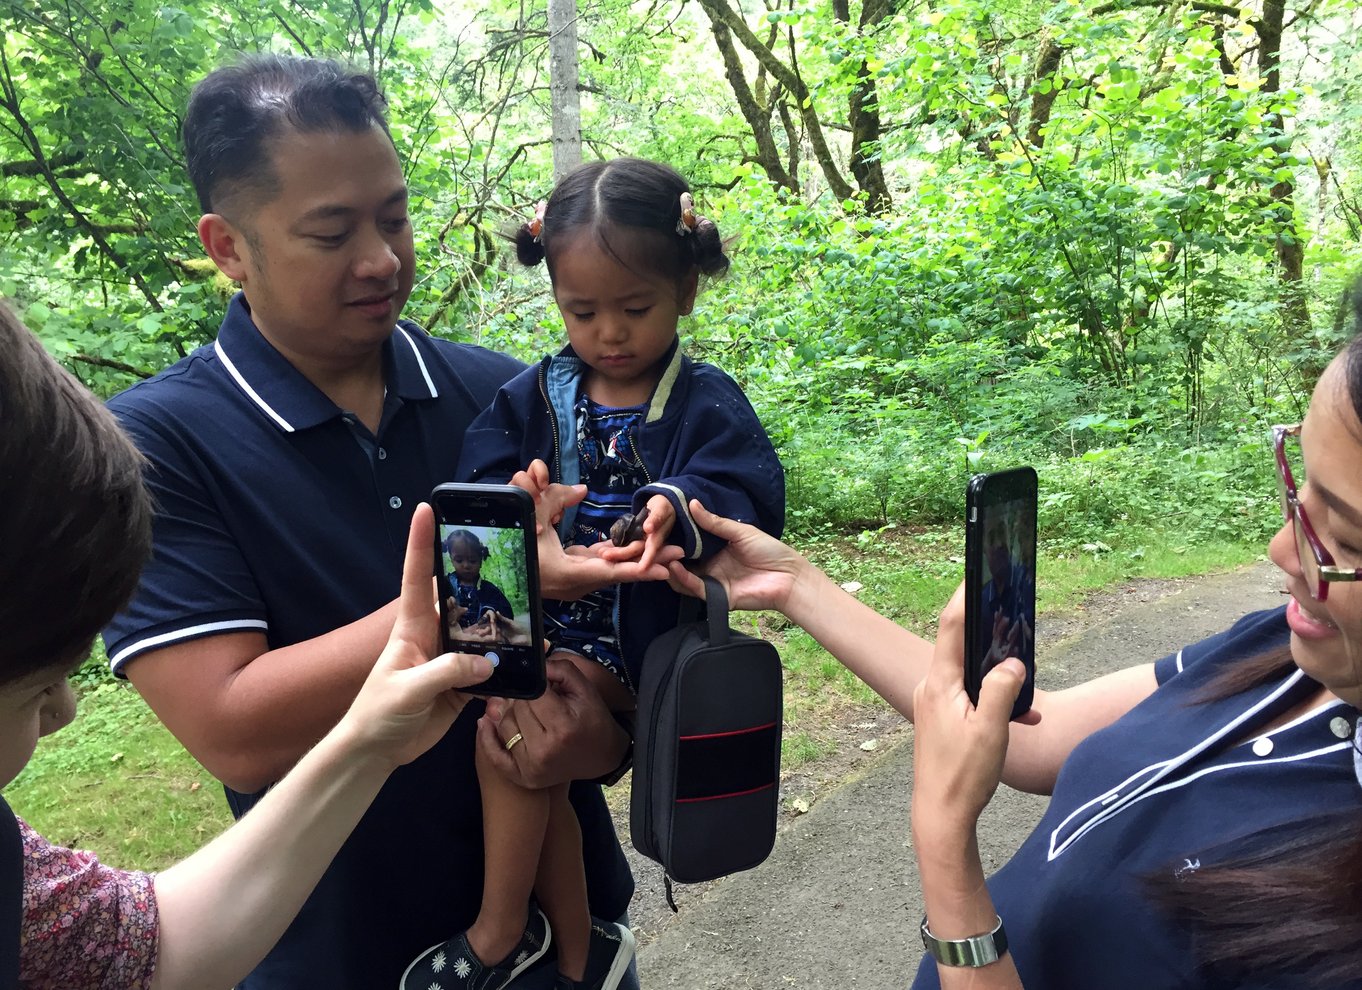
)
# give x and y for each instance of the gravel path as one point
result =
(837, 904)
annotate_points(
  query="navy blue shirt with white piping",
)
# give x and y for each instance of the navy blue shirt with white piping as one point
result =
(1161, 791)
(278, 512)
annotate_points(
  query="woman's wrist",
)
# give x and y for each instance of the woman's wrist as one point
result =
(808, 591)
(355, 749)
(957, 901)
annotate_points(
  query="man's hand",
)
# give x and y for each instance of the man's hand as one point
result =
(567, 733)
(570, 574)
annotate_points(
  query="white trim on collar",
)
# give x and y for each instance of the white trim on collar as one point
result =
(251, 393)
(1118, 798)
(434, 393)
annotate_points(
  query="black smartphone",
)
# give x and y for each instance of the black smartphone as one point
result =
(487, 572)
(1000, 578)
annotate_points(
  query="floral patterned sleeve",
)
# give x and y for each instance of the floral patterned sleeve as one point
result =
(85, 926)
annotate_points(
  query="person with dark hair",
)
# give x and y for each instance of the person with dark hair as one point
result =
(1203, 829)
(76, 530)
(622, 410)
(317, 411)
(469, 595)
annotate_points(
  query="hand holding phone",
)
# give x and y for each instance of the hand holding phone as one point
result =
(1000, 578)
(487, 569)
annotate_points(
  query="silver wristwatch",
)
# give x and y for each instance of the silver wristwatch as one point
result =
(973, 952)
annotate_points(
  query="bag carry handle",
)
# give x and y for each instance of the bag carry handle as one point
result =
(715, 603)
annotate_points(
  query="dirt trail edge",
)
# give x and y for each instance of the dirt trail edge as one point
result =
(837, 903)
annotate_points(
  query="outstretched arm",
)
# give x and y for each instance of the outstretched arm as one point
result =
(760, 572)
(275, 855)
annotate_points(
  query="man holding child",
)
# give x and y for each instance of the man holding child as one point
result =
(286, 460)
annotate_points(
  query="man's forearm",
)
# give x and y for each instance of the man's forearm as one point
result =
(249, 716)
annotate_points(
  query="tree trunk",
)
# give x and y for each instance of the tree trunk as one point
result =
(863, 111)
(1047, 64)
(758, 117)
(565, 106)
(720, 12)
(1290, 249)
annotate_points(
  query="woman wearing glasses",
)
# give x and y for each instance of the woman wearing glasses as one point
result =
(1205, 825)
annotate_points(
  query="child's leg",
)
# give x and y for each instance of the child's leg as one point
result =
(514, 820)
(561, 883)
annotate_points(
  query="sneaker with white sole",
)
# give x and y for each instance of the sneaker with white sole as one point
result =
(453, 965)
(608, 958)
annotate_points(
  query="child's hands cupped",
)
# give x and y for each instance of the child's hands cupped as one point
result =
(659, 516)
(657, 528)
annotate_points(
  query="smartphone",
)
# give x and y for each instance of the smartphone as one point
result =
(1000, 578)
(487, 573)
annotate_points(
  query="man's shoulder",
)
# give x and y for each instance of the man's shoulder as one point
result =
(471, 362)
(181, 384)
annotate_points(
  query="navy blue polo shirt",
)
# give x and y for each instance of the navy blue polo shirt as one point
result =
(1159, 793)
(277, 511)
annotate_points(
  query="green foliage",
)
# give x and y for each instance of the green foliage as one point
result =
(1079, 268)
(117, 782)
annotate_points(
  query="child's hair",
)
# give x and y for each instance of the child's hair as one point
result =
(633, 208)
(470, 540)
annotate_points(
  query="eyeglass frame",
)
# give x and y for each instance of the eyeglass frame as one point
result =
(1294, 512)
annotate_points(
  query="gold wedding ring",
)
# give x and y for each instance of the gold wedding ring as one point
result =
(510, 743)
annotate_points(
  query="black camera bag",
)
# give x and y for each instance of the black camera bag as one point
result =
(707, 750)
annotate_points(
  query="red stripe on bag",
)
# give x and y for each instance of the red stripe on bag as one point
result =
(720, 797)
(735, 732)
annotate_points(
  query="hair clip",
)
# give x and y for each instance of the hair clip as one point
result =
(686, 224)
(536, 226)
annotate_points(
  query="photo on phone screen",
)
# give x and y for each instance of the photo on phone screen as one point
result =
(1000, 578)
(488, 584)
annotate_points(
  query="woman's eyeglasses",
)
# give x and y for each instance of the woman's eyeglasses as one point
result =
(1317, 564)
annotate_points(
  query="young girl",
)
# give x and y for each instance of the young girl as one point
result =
(468, 597)
(624, 412)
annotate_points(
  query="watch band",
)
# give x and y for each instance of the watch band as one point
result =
(972, 952)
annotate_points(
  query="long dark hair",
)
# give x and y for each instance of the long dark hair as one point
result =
(75, 528)
(1293, 906)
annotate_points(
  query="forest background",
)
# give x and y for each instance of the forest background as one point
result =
(1105, 237)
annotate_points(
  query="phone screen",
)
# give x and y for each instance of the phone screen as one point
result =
(487, 582)
(1000, 576)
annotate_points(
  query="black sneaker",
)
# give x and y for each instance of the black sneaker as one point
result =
(607, 960)
(453, 965)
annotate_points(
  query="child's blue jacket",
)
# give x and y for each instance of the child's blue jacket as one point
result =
(700, 438)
